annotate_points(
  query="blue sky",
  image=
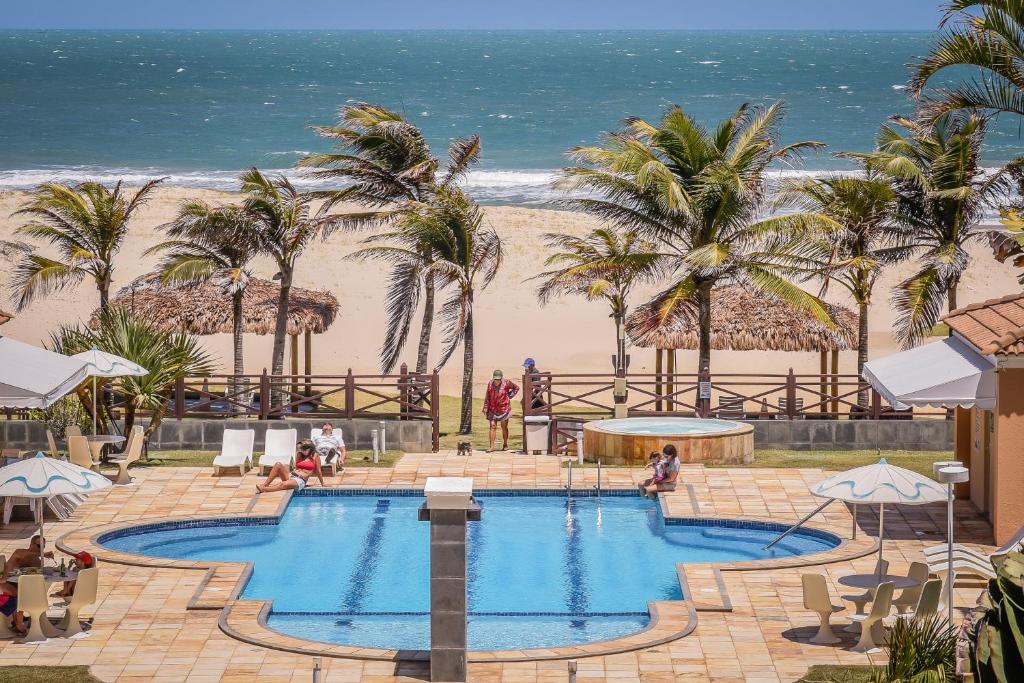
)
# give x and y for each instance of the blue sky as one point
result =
(470, 14)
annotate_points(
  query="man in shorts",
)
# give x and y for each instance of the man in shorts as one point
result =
(330, 444)
(498, 407)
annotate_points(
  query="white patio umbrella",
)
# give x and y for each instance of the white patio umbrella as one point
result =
(41, 477)
(33, 377)
(880, 483)
(102, 364)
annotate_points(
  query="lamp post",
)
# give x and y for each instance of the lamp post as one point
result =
(949, 473)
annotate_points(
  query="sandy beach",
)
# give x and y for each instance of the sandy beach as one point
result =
(567, 335)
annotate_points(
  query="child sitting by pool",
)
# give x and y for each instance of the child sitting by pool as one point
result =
(654, 462)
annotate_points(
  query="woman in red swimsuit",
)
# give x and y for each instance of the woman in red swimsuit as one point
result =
(307, 462)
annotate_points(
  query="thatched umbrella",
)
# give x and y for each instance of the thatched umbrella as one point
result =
(5, 317)
(744, 319)
(206, 309)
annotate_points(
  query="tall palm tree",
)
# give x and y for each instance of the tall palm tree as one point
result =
(87, 223)
(212, 243)
(1009, 245)
(603, 265)
(282, 220)
(855, 257)
(467, 258)
(386, 163)
(986, 37)
(701, 197)
(942, 193)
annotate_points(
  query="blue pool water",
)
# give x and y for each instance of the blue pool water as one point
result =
(666, 425)
(353, 569)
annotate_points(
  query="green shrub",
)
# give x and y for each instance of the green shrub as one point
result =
(920, 651)
(997, 634)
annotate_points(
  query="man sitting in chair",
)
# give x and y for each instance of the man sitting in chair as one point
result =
(330, 444)
(22, 558)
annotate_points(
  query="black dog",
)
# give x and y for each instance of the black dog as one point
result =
(465, 448)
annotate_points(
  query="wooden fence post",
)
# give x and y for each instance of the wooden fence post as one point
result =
(179, 398)
(435, 409)
(876, 404)
(403, 392)
(264, 395)
(791, 395)
(204, 398)
(350, 395)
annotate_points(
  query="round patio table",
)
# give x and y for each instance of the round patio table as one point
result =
(99, 442)
(872, 580)
(49, 576)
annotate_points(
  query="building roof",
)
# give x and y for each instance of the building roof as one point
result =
(207, 309)
(993, 326)
(745, 319)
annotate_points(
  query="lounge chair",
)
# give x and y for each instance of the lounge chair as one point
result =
(132, 452)
(330, 468)
(731, 407)
(816, 599)
(235, 451)
(84, 594)
(908, 599)
(872, 631)
(941, 551)
(279, 447)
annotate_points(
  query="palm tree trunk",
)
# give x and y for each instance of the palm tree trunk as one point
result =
(466, 415)
(704, 324)
(280, 332)
(104, 289)
(951, 297)
(428, 323)
(238, 383)
(862, 349)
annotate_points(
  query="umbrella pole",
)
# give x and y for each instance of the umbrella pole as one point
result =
(94, 405)
(42, 539)
(881, 535)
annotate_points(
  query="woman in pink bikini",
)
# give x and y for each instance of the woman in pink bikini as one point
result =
(307, 463)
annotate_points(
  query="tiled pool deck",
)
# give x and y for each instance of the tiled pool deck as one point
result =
(166, 623)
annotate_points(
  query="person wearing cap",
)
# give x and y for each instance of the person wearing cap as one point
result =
(536, 393)
(498, 406)
(80, 560)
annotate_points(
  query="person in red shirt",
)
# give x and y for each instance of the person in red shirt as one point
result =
(498, 407)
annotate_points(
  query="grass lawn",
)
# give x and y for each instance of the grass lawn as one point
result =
(831, 673)
(356, 458)
(46, 674)
(918, 461)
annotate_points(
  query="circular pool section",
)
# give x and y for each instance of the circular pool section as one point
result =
(630, 441)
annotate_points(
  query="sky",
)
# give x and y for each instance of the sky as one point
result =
(474, 14)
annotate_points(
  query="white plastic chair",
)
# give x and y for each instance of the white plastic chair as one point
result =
(816, 599)
(5, 622)
(32, 600)
(907, 600)
(235, 451)
(928, 601)
(280, 447)
(132, 452)
(72, 430)
(329, 468)
(84, 594)
(861, 599)
(10, 502)
(79, 452)
(52, 443)
(872, 631)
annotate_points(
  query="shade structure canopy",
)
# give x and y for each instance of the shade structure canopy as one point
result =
(41, 477)
(880, 483)
(33, 377)
(103, 364)
(207, 309)
(944, 374)
(744, 319)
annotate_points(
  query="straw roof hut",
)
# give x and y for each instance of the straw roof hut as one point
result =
(745, 319)
(206, 309)
(5, 317)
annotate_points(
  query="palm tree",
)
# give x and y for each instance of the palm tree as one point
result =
(603, 265)
(942, 193)
(212, 243)
(701, 197)
(1009, 245)
(855, 257)
(281, 217)
(87, 223)
(987, 37)
(387, 163)
(467, 257)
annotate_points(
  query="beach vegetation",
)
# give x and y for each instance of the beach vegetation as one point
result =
(87, 224)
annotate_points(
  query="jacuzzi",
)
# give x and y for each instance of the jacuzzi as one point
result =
(630, 441)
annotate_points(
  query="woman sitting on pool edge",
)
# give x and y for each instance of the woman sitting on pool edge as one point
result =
(671, 465)
(307, 462)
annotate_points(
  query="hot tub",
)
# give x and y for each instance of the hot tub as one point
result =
(631, 440)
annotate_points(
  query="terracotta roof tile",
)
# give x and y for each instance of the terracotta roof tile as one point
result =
(993, 326)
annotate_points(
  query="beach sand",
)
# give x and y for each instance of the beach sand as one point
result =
(567, 335)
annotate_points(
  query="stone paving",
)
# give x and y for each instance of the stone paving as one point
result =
(149, 626)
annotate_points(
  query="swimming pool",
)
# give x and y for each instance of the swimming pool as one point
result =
(543, 570)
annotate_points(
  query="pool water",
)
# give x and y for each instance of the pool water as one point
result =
(543, 570)
(676, 426)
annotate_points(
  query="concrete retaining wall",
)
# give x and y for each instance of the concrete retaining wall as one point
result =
(195, 434)
(848, 435)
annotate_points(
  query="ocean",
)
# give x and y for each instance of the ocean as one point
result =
(200, 106)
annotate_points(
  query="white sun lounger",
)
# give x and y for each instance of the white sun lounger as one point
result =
(940, 551)
(280, 447)
(235, 451)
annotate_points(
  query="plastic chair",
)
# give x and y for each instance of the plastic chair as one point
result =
(32, 600)
(132, 452)
(52, 443)
(279, 447)
(816, 599)
(235, 451)
(859, 600)
(907, 600)
(72, 430)
(928, 601)
(79, 452)
(872, 631)
(85, 594)
(10, 502)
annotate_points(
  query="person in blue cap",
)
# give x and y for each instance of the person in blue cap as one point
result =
(537, 394)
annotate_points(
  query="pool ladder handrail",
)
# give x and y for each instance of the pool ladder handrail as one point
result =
(598, 487)
(568, 486)
(796, 526)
